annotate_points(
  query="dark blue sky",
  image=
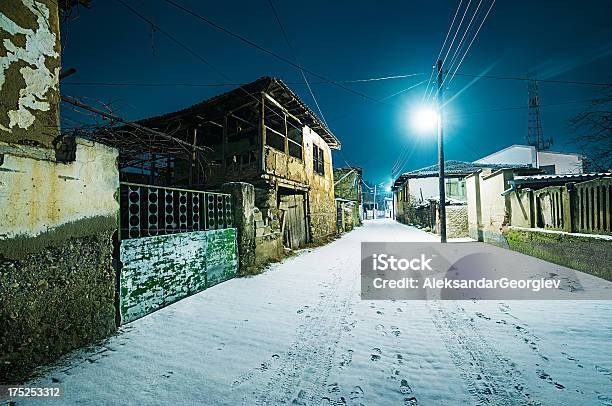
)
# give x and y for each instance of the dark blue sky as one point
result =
(562, 39)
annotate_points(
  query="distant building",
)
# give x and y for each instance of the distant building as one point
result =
(349, 197)
(416, 195)
(548, 161)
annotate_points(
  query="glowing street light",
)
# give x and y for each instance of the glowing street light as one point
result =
(426, 119)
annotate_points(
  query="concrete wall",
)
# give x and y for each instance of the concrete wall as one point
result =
(522, 208)
(38, 194)
(29, 72)
(586, 253)
(157, 271)
(527, 155)
(564, 163)
(244, 213)
(422, 189)
(474, 208)
(516, 154)
(488, 210)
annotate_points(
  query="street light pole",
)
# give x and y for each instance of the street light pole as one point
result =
(441, 181)
(374, 202)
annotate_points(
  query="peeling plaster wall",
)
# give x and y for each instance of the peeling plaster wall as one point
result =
(321, 198)
(57, 282)
(160, 270)
(38, 195)
(29, 72)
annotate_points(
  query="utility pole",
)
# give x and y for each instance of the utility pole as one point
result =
(374, 202)
(441, 181)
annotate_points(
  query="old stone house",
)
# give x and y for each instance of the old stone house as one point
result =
(263, 134)
(349, 197)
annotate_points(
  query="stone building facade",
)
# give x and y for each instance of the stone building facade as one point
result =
(263, 134)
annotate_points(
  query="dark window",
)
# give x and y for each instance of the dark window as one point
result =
(275, 127)
(294, 137)
(275, 140)
(318, 160)
(548, 169)
(242, 121)
(275, 119)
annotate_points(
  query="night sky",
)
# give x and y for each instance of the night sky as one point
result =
(561, 40)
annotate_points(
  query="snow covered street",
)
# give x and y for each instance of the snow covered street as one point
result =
(300, 334)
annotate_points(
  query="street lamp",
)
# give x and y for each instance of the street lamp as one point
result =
(427, 119)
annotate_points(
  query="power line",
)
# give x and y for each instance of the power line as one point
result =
(452, 42)
(195, 54)
(456, 53)
(280, 24)
(571, 82)
(473, 39)
(442, 48)
(518, 108)
(155, 84)
(259, 47)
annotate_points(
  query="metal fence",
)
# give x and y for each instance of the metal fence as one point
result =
(147, 210)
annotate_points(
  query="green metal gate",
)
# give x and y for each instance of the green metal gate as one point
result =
(173, 243)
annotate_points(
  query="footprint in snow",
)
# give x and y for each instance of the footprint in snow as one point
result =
(376, 355)
(356, 393)
(404, 387)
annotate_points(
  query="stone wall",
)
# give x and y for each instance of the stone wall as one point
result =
(587, 253)
(456, 221)
(29, 72)
(57, 282)
(244, 212)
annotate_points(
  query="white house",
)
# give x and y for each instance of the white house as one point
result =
(550, 162)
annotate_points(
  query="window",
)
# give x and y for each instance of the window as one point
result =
(318, 160)
(294, 137)
(275, 127)
(283, 132)
(548, 169)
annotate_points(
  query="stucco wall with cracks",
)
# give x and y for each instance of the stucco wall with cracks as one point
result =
(29, 72)
(38, 195)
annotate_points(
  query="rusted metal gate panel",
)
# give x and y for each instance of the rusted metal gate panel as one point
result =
(294, 220)
(174, 243)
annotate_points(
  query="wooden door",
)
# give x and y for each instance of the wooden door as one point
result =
(294, 220)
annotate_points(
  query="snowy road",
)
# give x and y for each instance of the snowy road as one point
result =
(300, 334)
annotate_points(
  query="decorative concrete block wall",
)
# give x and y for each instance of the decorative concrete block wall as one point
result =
(157, 271)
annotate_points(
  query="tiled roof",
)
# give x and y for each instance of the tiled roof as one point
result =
(560, 179)
(452, 167)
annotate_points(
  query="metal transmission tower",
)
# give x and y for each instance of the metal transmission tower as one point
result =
(535, 134)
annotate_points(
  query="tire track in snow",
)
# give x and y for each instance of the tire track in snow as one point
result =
(491, 378)
(302, 372)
